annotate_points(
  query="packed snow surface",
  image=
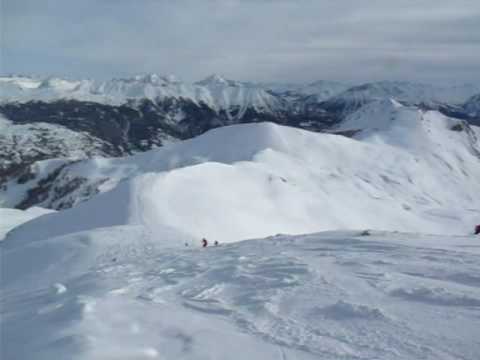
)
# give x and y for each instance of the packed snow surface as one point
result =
(114, 293)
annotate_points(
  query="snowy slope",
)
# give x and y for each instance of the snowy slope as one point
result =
(256, 180)
(321, 89)
(214, 91)
(21, 145)
(23, 88)
(472, 106)
(111, 278)
(223, 94)
(407, 92)
(387, 121)
(125, 116)
(114, 293)
(11, 218)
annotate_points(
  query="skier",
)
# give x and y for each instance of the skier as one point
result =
(477, 229)
(204, 242)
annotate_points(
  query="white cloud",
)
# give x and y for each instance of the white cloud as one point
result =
(246, 39)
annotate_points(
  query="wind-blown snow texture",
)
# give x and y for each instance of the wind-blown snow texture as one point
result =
(114, 293)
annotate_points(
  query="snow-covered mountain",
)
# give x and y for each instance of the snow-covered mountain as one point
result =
(321, 89)
(411, 93)
(21, 145)
(57, 118)
(11, 218)
(175, 108)
(388, 121)
(231, 96)
(124, 116)
(472, 106)
(214, 91)
(283, 179)
(121, 275)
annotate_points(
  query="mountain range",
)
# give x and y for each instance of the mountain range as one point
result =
(45, 118)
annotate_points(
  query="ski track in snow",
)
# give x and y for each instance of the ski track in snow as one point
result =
(323, 296)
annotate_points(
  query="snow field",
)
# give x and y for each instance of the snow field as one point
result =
(114, 294)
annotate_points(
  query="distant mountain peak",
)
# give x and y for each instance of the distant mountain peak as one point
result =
(214, 78)
(217, 80)
(155, 79)
(472, 106)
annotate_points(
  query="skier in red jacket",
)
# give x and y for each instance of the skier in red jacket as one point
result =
(477, 229)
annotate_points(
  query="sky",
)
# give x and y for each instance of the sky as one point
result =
(251, 40)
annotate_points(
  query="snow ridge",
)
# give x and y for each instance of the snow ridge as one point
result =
(283, 179)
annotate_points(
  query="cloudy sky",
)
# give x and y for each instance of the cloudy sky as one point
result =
(262, 40)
